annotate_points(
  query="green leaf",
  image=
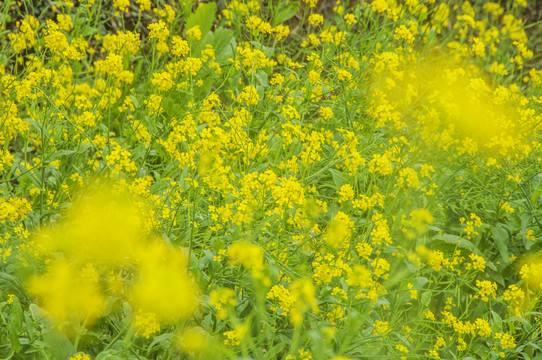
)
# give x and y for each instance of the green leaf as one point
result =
(275, 350)
(224, 44)
(497, 321)
(204, 17)
(536, 195)
(458, 241)
(286, 12)
(426, 298)
(268, 51)
(30, 327)
(60, 153)
(500, 235)
(12, 284)
(420, 281)
(162, 341)
(15, 325)
(108, 355)
(16, 313)
(61, 346)
(525, 323)
(262, 78)
(338, 178)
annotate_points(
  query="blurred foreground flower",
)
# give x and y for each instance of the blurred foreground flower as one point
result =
(64, 293)
(100, 251)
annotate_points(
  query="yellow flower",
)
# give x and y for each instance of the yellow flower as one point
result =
(531, 271)
(381, 327)
(6, 159)
(194, 33)
(418, 221)
(380, 267)
(193, 340)
(104, 227)
(158, 31)
(486, 290)
(478, 262)
(402, 32)
(80, 356)
(145, 324)
(235, 336)
(179, 46)
(350, 19)
(326, 113)
(402, 348)
(360, 276)
(507, 341)
(9, 300)
(346, 192)
(316, 19)
(163, 80)
(249, 95)
(507, 208)
(64, 22)
(303, 294)
(222, 300)
(122, 5)
(429, 315)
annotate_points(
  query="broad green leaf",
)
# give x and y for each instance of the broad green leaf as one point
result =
(426, 298)
(224, 44)
(204, 17)
(268, 51)
(286, 12)
(108, 355)
(275, 350)
(500, 235)
(15, 325)
(526, 325)
(60, 345)
(12, 284)
(497, 321)
(536, 195)
(338, 178)
(457, 240)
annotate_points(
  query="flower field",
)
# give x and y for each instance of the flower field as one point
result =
(246, 179)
